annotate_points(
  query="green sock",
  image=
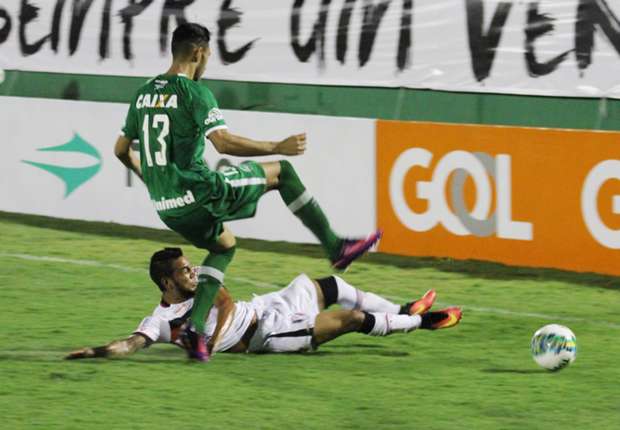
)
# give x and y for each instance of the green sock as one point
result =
(210, 279)
(203, 300)
(303, 205)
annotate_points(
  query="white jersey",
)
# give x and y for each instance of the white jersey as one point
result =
(285, 320)
(164, 325)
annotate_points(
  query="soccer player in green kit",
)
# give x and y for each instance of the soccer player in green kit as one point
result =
(171, 116)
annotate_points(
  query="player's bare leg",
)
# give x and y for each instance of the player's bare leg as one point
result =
(329, 325)
(225, 241)
(210, 278)
(281, 175)
(272, 174)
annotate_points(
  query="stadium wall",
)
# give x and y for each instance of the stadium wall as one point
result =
(58, 161)
(407, 104)
(531, 117)
(552, 200)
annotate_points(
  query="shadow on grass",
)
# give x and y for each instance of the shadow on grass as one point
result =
(357, 352)
(474, 268)
(359, 345)
(362, 351)
(516, 371)
(165, 355)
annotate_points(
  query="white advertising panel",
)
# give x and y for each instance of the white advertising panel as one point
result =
(548, 47)
(58, 161)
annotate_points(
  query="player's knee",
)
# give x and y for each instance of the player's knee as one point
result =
(287, 171)
(230, 252)
(285, 165)
(227, 249)
(225, 241)
(272, 170)
(354, 320)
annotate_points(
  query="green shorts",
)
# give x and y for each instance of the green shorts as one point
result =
(236, 195)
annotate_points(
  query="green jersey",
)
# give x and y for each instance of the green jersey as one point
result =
(171, 116)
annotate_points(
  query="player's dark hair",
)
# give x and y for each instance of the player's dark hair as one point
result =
(161, 264)
(187, 36)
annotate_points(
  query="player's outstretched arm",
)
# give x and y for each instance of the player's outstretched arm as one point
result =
(117, 348)
(123, 152)
(228, 143)
(225, 309)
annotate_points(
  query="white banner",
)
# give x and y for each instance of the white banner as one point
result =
(58, 160)
(546, 47)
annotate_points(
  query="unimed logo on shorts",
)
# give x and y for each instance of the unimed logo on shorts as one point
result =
(533, 197)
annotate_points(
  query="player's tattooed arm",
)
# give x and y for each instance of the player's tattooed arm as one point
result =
(123, 152)
(117, 348)
(228, 143)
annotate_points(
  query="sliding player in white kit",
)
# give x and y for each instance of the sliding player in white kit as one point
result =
(289, 320)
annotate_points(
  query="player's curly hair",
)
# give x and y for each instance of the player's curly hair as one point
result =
(161, 264)
(186, 36)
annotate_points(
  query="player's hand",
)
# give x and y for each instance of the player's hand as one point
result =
(81, 353)
(292, 145)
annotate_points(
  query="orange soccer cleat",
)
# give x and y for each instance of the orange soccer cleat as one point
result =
(443, 318)
(422, 305)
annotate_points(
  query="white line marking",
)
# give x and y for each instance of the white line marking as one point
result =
(70, 261)
(498, 311)
(258, 284)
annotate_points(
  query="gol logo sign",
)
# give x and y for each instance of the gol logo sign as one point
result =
(479, 166)
(598, 176)
(530, 197)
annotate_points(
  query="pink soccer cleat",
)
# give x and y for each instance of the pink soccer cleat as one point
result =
(195, 344)
(353, 249)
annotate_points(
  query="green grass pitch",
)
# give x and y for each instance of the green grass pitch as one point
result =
(71, 284)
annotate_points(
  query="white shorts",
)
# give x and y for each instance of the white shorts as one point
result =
(286, 318)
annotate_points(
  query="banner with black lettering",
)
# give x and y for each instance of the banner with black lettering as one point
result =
(544, 47)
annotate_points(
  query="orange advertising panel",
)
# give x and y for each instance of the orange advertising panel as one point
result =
(520, 196)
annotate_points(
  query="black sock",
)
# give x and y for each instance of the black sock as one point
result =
(368, 324)
(404, 309)
(430, 318)
(329, 287)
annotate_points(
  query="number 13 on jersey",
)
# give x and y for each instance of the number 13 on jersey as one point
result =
(161, 124)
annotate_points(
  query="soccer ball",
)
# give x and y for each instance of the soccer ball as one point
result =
(554, 347)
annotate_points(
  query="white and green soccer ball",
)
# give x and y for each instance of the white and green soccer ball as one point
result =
(554, 347)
